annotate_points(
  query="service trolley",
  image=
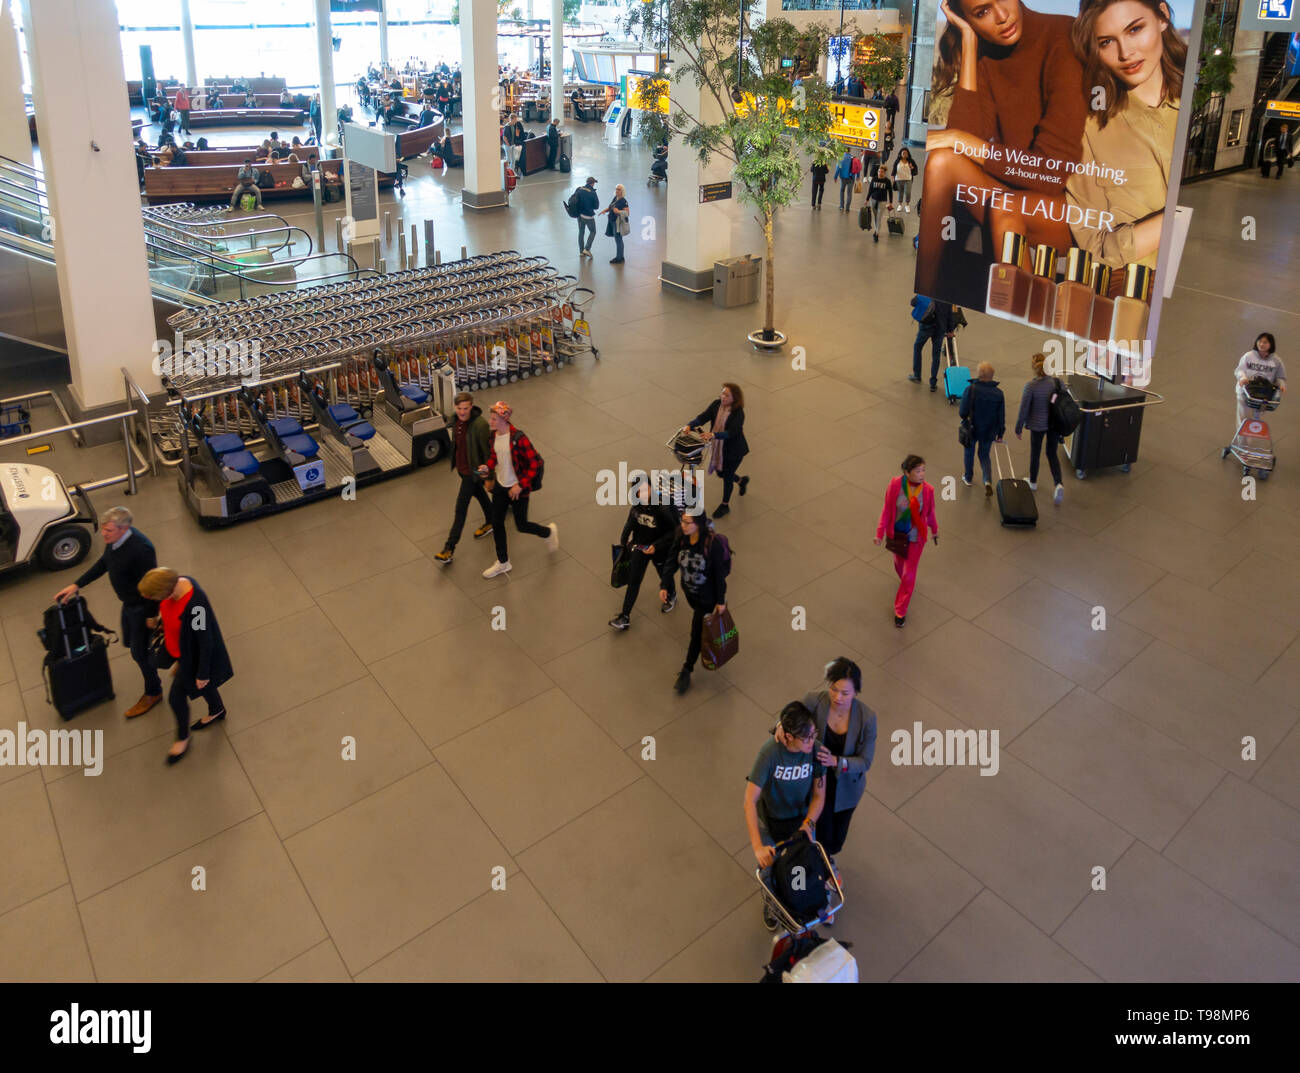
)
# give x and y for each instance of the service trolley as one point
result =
(1110, 423)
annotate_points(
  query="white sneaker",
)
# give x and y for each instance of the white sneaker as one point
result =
(497, 569)
(553, 541)
(1059, 495)
(1033, 485)
(965, 480)
(907, 208)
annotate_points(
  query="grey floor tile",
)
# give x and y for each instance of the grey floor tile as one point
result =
(41, 942)
(1200, 706)
(142, 810)
(1246, 845)
(702, 758)
(281, 665)
(253, 916)
(319, 965)
(960, 576)
(793, 554)
(531, 788)
(1019, 834)
(261, 590)
(603, 876)
(1279, 775)
(1058, 630)
(1132, 774)
(396, 609)
(733, 951)
(297, 763)
(1096, 573)
(503, 936)
(1198, 556)
(989, 942)
(979, 679)
(29, 842)
(376, 852)
(1282, 679)
(1277, 597)
(1227, 634)
(623, 680)
(1156, 923)
(459, 679)
(334, 556)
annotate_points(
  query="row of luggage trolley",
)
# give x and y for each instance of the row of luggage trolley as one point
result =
(289, 397)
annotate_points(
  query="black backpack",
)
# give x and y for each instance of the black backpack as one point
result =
(565, 165)
(1064, 415)
(802, 893)
(571, 206)
(265, 179)
(68, 629)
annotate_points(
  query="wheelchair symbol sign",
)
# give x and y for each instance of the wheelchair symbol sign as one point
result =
(1276, 10)
(313, 474)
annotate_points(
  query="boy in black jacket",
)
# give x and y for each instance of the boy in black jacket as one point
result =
(702, 561)
(471, 445)
(648, 536)
(128, 556)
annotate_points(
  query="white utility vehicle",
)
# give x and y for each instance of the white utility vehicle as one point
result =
(40, 520)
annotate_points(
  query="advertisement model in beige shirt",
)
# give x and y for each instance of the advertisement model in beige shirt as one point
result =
(1133, 57)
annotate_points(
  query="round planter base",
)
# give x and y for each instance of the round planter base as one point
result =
(777, 341)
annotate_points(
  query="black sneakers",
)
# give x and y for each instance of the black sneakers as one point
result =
(683, 682)
(620, 622)
(672, 602)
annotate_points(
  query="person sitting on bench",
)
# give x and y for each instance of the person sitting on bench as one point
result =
(426, 117)
(579, 112)
(447, 150)
(246, 183)
(285, 100)
(216, 103)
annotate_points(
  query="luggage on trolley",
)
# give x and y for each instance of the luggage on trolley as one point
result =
(804, 891)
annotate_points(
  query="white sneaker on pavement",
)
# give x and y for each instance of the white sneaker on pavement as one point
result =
(553, 541)
(497, 569)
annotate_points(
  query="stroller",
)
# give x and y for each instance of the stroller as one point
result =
(659, 168)
(1252, 444)
(803, 890)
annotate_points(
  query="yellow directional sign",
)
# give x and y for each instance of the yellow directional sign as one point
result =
(856, 124)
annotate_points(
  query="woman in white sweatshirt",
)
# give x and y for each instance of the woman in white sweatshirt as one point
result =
(1261, 361)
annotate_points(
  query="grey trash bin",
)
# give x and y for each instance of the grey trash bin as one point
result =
(736, 280)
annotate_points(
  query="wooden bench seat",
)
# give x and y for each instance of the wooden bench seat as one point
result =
(271, 118)
(217, 183)
(411, 143)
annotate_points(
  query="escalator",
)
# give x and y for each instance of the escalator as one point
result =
(197, 256)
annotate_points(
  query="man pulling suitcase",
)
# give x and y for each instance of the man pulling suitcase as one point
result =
(128, 556)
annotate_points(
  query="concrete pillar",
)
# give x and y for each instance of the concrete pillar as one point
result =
(15, 136)
(481, 121)
(383, 35)
(325, 59)
(532, 41)
(187, 42)
(557, 57)
(698, 234)
(911, 126)
(83, 121)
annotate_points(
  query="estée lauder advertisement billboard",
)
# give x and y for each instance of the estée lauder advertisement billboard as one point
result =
(1049, 166)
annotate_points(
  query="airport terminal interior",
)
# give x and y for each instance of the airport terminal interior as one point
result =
(429, 775)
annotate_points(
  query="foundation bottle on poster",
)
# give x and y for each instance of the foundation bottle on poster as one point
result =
(1103, 306)
(1042, 287)
(1131, 308)
(1008, 293)
(1073, 314)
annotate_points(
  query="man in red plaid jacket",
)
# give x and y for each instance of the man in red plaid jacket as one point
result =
(512, 472)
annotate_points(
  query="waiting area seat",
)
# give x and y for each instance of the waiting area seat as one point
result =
(227, 450)
(350, 421)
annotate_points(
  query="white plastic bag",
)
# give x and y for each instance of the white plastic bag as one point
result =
(830, 963)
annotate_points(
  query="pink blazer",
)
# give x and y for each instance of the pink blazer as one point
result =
(927, 523)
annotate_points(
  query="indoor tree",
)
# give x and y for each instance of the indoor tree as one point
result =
(768, 124)
(883, 63)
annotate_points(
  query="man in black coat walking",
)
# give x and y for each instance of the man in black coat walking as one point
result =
(128, 556)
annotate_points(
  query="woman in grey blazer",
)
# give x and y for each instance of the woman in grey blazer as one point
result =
(846, 746)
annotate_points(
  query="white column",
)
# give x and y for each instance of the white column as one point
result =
(83, 120)
(383, 35)
(909, 125)
(532, 41)
(557, 58)
(481, 122)
(698, 234)
(187, 42)
(329, 120)
(15, 136)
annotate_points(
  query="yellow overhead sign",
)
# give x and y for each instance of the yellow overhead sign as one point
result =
(852, 124)
(1284, 109)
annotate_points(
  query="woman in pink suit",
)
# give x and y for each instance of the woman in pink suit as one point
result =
(907, 519)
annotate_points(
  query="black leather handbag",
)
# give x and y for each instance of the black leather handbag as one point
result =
(158, 654)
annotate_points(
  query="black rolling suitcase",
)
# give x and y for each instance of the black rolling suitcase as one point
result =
(76, 658)
(1015, 497)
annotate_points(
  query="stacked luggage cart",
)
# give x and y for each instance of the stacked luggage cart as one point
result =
(283, 398)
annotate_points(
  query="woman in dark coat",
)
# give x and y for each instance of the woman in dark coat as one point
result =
(193, 639)
(723, 426)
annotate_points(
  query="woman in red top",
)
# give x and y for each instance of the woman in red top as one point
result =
(907, 519)
(193, 639)
(1016, 83)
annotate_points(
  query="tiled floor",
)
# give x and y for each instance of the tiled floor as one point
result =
(504, 817)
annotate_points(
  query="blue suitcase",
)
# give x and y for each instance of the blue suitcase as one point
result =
(956, 377)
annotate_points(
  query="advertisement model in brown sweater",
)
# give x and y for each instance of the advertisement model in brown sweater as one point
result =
(1015, 125)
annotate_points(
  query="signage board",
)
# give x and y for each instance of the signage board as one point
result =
(714, 192)
(361, 184)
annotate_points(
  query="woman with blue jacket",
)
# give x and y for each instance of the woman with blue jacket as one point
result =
(846, 746)
(985, 407)
(723, 427)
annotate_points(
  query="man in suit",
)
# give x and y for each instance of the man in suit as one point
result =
(1284, 150)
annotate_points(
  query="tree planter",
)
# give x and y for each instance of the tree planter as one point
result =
(763, 341)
